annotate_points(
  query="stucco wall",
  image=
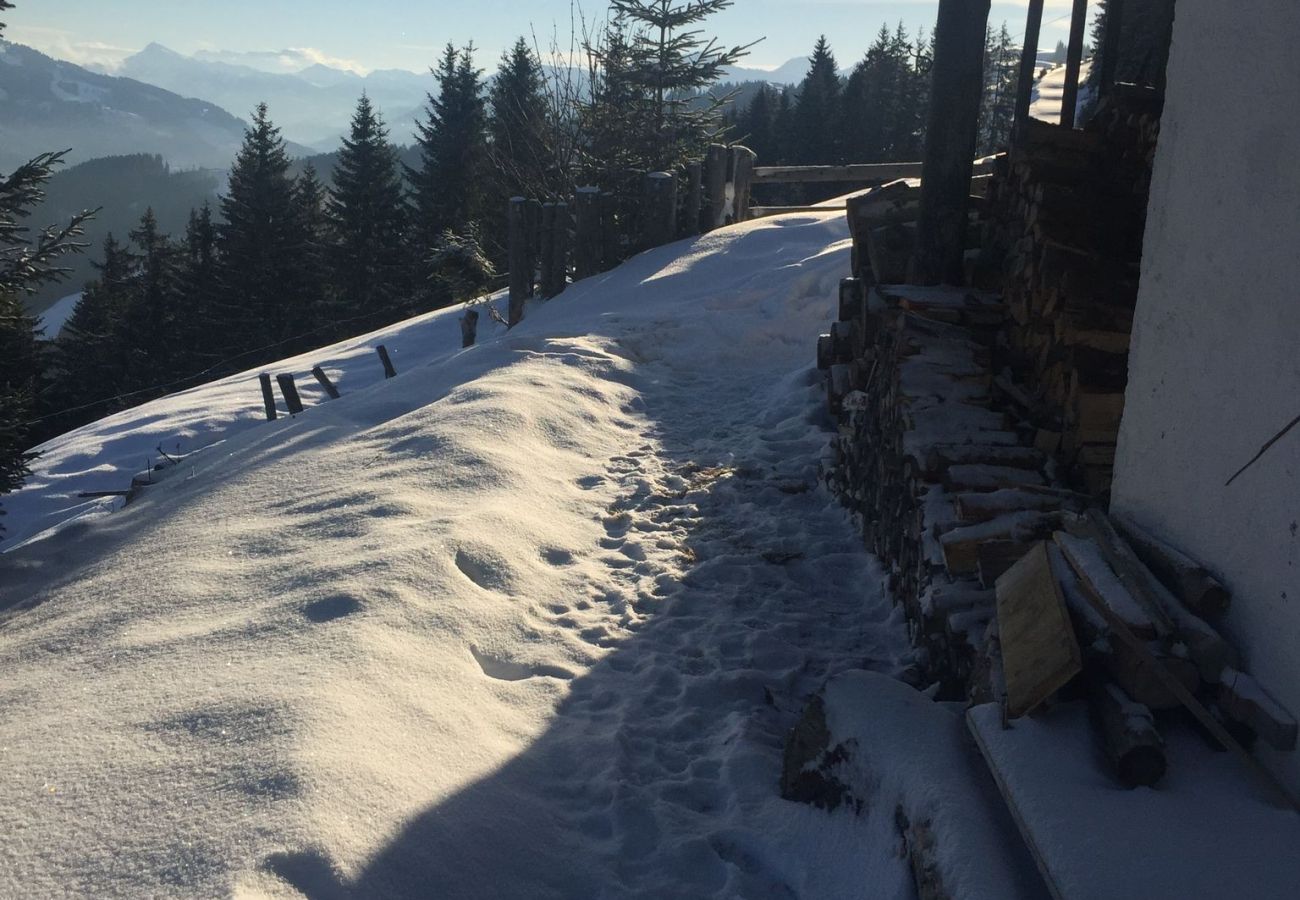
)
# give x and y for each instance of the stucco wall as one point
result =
(1215, 368)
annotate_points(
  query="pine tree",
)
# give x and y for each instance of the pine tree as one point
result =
(757, 126)
(261, 244)
(365, 209)
(611, 116)
(145, 332)
(26, 261)
(1001, 75)
(447, 189)
(817, 110)
(868, 103)
(521, 154)
(670, 66)
(198, 292)
(90, 362)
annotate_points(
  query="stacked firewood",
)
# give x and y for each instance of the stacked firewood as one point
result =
(1068, 209)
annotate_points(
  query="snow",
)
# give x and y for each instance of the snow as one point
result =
(1050, 90)
(1208, 830)
(528, 620)
(54, 318)
(908, 753)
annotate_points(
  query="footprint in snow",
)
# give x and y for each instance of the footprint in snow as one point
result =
(505, 670)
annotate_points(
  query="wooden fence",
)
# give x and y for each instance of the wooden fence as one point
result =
(551, 241)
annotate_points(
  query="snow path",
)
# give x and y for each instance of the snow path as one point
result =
(527, 621)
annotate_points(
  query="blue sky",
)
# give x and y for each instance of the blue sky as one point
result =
(407, 34)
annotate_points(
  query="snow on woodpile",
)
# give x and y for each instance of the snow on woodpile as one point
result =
(531, 619)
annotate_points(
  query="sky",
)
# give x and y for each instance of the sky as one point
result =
(408, 34)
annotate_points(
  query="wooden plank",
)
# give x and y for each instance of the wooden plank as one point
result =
(1243, 700)
(1040, 653)
(857, 172)
(1073, 60)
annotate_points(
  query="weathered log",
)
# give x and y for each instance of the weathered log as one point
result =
(1189, 581)
(386, 361)
(587, 244)
(825, 352)
(715, 183)
(289, 390)
(559, 251)
(694, 198)
(469, 328)
(521, 272)
(853, 299)
(742, 179)
(660, 210)
(944, 456)
(324, 380)
(1127, 734)
(546, 252)
(268, 396)
(1243, 700)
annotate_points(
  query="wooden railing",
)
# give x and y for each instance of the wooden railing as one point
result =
(858, 175)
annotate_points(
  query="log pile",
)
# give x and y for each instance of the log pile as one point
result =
(1068, 210)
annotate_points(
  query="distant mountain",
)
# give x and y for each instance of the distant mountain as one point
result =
(312, 105)
(791, 72)
(48, 104)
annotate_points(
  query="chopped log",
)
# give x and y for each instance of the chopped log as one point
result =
(1189, 581)
(1128, 735)
(1089, 563)
(989, 478)
(942, 457)
(981, 507)
(961, 545)
(1211, 653)
(1132, 671)
(289, 390)
(1039, 651)
(995, 558)
(853, 299)
(268, 396)
(1243, 700)
(889, 250)
(324, 380)
(825, 353)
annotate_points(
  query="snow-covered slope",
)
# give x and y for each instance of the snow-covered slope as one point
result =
(529, 620)
(1050, 90)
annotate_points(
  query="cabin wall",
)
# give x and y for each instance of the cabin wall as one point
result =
(1215, 364)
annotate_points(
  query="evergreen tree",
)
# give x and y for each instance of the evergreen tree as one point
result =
(520, 147)
(1001, 75)
(146, 325)
(610, 117)
(447, 189)
(321, 301)
(90, 362)
(868, 103)
(366, 214)
(26, 261)
(757, 126)
(816, 113)
(261, 245)
(669, 65)
(198, 292)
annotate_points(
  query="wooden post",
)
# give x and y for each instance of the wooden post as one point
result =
(694, 197)
(742, 180)
(660, 210)
(957, 87)
(1110, 46)
(1029, 61)
(290, 391)
(611, 251)
(268, 396)
(533, 225)
(469, 328)
(546, 280)
(560, 249)
(715, 183)
(319, 374)
(521, 272)
(389, 371)
(1073, 59)
(587, 249)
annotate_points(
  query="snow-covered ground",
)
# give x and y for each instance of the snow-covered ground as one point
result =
(529, 620)
(1049, 91)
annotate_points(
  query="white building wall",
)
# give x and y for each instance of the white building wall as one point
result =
(1215, 367)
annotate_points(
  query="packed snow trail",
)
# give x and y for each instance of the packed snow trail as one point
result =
(529, 620)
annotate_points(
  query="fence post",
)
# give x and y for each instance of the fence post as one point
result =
(319, 374)
(660, 209)
(715, 177)
(268, 396)
(611, 250)
(586, 251)
(469, 328)
(694, 196)
(560, 249)
(290, 392)
(533, 218)
(546, 280)
(1029, 61)
(742, 169)
(389, 371)
(521, 271)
